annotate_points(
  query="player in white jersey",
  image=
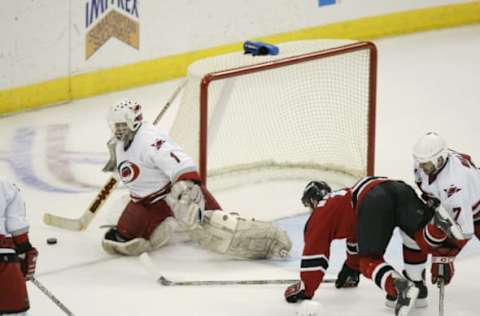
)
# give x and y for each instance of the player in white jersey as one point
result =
(450, 181)
(166, 190)
(17, 256)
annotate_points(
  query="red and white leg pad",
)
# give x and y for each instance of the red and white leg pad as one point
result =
(228, 233)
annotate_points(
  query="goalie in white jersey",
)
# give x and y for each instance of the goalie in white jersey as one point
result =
(450, 181)
(17, 256)
(166, 191)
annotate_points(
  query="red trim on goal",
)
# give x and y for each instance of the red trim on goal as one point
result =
(284, 62)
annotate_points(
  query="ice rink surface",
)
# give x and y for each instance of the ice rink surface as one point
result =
(426, 82)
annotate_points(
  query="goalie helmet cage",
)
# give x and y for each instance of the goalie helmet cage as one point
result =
(310, 108)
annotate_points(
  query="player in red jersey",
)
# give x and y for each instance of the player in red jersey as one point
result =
(366, 215)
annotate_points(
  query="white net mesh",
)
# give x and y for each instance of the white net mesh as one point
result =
(287, 122)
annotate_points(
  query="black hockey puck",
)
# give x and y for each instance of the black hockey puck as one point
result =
(51, 241)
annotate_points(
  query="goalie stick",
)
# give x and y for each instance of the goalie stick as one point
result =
(81, 223)
(54, 299)
(151, 269)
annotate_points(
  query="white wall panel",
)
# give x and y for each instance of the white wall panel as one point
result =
(36, 46)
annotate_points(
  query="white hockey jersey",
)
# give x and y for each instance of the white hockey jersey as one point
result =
(457, 186)
(13, 219)
(151, 163)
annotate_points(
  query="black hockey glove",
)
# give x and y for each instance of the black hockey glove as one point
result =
(295, 293)
(431, 201)
(347, 277)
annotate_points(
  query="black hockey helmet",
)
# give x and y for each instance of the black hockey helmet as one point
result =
(314, 192)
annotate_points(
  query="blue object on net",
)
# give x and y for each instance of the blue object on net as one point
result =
(259, 48)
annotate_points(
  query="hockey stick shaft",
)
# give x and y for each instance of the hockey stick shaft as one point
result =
(170, 101)
(52, 297)
(81, 223)
(441, 297)
(442, 263)
(166, 282)
(150, 267)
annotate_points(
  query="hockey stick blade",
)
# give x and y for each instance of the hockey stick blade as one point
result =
(149, 266)
(74, 224)
(81, 223)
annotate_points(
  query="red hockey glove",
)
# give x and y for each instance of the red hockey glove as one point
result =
(27, 255)
(28, 263)
(347, 277)
(295, 293)
(442, 269)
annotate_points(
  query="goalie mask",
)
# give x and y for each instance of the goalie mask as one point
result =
(125, 117)
(430, 152)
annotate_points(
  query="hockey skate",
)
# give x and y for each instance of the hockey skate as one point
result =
(406, 297)
(444, 221)
(421, 300)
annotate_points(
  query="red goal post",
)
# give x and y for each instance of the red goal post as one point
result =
(316, 96)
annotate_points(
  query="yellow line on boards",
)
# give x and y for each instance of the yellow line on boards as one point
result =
(170, 67)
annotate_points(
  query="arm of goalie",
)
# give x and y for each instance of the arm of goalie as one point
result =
(187, 204)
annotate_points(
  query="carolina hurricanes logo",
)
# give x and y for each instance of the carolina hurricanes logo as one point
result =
(128, 171)
(451, 190)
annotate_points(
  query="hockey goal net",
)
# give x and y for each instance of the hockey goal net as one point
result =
(307, 111)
